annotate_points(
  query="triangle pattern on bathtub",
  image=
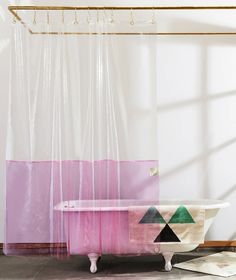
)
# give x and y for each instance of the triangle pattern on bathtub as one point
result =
(181, 216)
(167, 235)
(152, 216)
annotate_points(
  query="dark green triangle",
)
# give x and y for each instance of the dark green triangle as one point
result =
(181, 216)
(167, 235)
(152, 216)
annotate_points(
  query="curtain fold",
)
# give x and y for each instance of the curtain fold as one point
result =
(82, 135)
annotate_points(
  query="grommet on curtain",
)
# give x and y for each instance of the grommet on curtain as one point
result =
(131, 18)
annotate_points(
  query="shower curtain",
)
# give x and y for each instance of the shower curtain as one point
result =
(82, 126)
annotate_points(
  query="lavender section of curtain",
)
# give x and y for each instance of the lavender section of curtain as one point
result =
(82, 125)
(30, 212)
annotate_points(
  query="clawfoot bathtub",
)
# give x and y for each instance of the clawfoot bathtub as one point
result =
(94, 228)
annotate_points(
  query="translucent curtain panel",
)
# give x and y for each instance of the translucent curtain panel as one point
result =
(82, 140)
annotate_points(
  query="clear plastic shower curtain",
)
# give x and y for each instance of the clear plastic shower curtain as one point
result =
(82, 140)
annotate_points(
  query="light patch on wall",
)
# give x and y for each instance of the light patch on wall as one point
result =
(222, 178)
(221, 128)
(180, 140)
(187, 181)
(3, 44)
(179, 67)
(2, 14)
(221, 69)
(231, 110)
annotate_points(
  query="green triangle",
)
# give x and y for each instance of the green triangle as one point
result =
(181, 216)
(152, 216)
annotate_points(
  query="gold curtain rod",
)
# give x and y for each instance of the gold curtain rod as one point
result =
(11, 8)
(14, 9)
(138, 33)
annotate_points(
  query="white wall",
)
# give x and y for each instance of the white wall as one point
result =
(196, 116)
(197, 123)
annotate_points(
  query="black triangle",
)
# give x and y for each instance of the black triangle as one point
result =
(167, 235)
(152, 216)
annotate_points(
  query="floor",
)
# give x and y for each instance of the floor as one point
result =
(109, 267)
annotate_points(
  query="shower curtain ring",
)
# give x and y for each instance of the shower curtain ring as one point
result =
(112, 16)
(98, 15)
(76, 17)
(14, 18)
(131, 18)
(48, 18)
(34, 20)
(89, 17)
(153, 21)
(63, 17)
(105, 13)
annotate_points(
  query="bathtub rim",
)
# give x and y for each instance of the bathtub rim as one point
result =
(69, 205)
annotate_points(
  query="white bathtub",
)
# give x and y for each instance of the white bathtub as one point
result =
(88, 228)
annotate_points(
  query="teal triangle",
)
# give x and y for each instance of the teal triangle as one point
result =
(152, 216)
(181, 216)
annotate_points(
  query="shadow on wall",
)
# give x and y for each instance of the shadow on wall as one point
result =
(197, 120)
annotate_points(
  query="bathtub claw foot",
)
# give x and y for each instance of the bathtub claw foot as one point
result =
(168, 256)
(93, 257)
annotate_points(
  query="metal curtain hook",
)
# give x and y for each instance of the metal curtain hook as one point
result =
(14, 18)
(104, 11)
(76, 17)
(104, 15)
(153, 21)
(63, 17)
(131, 17)
(34, 20)
(112, 16)
(88, 17)
(97, 15)
(48, 18)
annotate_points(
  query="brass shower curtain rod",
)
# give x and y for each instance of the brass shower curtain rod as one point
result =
(14, 9)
